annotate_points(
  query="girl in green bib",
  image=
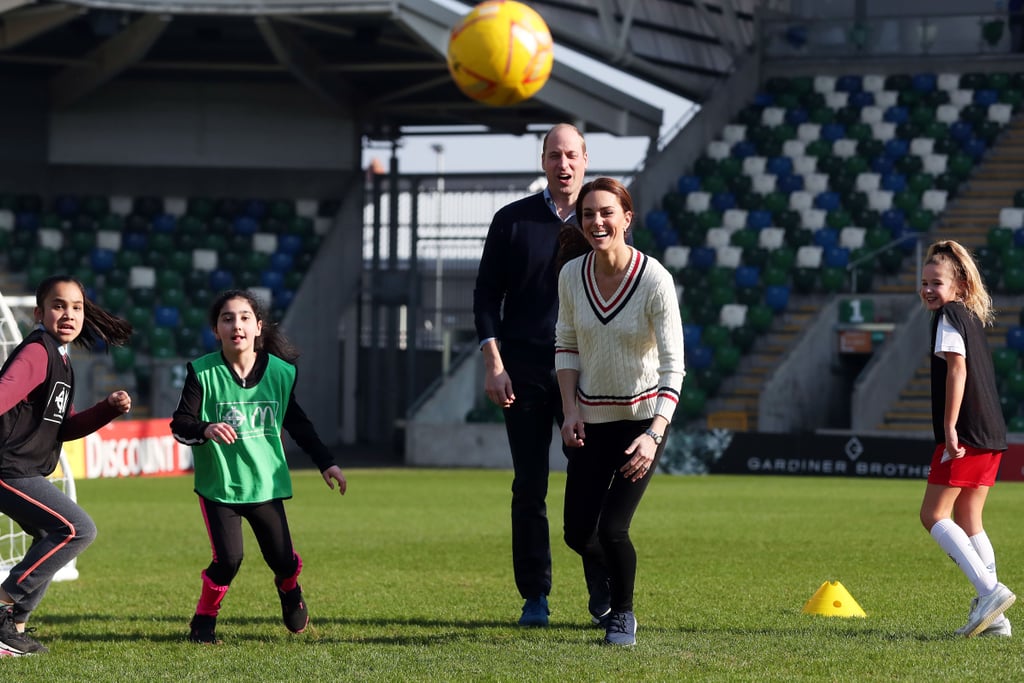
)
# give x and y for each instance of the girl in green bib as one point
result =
(233, 406)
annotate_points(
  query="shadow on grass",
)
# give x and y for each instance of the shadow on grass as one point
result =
(332, 630)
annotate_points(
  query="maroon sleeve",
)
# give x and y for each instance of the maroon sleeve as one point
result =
(81, 424)
(26, 372)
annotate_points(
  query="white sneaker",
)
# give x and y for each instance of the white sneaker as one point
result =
(963, 629)
(999, 628)
(987, 608)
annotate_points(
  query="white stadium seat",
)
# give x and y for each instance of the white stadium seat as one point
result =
(676, 257)
(852, 237)
(732, 316)
(809, 256)
(771, 238)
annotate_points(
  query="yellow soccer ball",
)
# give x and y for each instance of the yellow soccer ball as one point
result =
(500, 53)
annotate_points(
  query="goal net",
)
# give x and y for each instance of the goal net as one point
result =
(13, 541)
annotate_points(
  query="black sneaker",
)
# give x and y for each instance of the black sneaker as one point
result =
(600, 602)
(293, 610)
(13, 643)
(202, 629)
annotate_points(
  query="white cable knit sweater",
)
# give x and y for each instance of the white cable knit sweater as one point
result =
(628, 350)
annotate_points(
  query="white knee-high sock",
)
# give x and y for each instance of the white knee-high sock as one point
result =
(983, 546)
(958, 546)
(987, 553)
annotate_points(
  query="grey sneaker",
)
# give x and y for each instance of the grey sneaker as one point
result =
(987, 608)
(13, 643)
(621, 629)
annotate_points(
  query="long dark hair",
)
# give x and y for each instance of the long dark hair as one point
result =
(97, 325)
(271, 339)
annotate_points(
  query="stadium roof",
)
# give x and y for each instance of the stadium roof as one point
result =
(380, 61)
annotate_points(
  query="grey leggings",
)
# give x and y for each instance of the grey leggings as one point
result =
(60, 531)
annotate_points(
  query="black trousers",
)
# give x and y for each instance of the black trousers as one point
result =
(269, 526)
(600, 503)
(529, 422)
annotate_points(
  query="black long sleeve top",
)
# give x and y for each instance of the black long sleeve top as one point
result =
(516, 294)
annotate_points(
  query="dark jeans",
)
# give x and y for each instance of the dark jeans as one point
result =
(600, 503)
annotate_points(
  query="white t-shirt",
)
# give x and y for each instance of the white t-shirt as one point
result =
(948, 339)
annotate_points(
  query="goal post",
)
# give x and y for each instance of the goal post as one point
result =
(14, 542)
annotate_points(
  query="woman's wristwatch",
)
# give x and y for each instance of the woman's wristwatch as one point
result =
(654, 435)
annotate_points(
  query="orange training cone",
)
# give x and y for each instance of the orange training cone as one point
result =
(833, 600)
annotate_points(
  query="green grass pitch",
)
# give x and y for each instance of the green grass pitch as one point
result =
(408, 578)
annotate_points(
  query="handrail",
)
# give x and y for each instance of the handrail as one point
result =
(852, 265)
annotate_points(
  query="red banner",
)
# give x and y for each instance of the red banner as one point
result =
(129, 448)
(1012, 466)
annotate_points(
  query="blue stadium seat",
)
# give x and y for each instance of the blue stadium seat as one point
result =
(747, 276)
(893, 182)
(164, 223)
(779, 165)
(849, 83)
(826, 238)
(836, 257)
(776, 297)
(924, 82)
(758, 219)
(827, 201)
(687, 184)
(743, 149)
(896, 114)
(1015, 338)
(698, 357)
(830, 132)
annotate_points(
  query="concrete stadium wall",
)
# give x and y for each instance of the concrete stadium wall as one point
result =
(889, 371)
(437, 435)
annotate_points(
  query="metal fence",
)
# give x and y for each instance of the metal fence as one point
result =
(421, 248)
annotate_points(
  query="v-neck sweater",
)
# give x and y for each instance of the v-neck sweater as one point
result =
(628, 348)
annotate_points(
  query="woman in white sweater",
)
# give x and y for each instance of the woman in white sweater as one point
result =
(619, 361)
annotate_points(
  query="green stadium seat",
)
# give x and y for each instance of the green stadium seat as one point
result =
(708, 379)
(744, 337)
(1005, 361)
(805, 280)
(692, 401)
(727, 359)
(760, 318)
(1009, 405)
(123, 358)
(833, 279)
(715, 335)
(1013, 280)
(1015, 385)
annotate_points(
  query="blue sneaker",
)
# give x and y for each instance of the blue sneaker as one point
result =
(535, 612)
(621, 629)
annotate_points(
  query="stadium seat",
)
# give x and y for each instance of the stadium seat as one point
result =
(809, 256)
(776, 297)
(833, 279)
(733, 315)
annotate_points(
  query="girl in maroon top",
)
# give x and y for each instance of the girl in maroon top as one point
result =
(36, 388)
